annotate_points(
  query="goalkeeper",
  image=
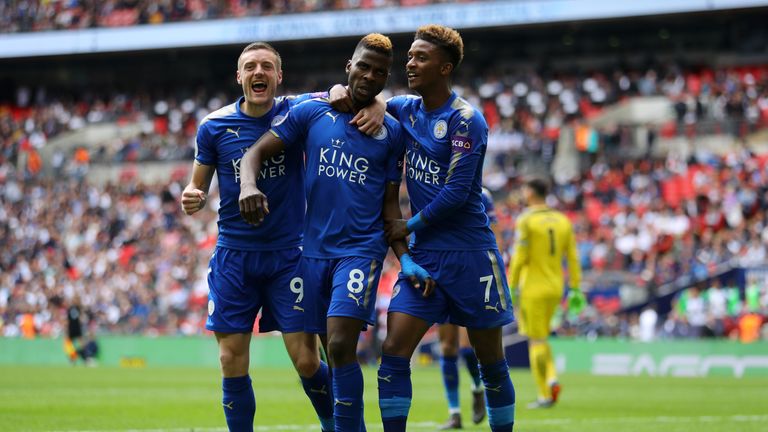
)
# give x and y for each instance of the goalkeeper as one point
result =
(543, 237)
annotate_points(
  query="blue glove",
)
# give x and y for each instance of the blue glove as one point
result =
(411, 269)
(415, 223)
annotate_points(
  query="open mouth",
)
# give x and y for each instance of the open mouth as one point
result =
(258, 86)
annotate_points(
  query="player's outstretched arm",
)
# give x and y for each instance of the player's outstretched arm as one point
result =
(195, 194)
(253, 203)
(419, 277)
(369, 119)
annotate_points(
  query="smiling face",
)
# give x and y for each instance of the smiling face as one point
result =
(259, 73)
(367, 75)
(427, 66)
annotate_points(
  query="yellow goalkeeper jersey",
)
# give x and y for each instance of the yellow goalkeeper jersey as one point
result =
(543, 238)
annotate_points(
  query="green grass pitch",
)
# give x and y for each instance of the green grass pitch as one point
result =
(157, 399)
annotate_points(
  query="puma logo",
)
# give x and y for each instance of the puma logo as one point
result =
(235, 132)
(357, 300)
(496, 389)
(413, 120)
(298, 308)
(229, 405)
(493, 308)
(387, 378)
(333, 117)
(338, 402)
(321, 390)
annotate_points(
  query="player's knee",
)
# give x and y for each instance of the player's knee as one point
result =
(393, 348)
(341, 352)
(306, 366)
(449, 349)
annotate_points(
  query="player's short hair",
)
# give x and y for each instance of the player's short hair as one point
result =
(539, 186)
(376, 42)
(265, 46)
(448, 39)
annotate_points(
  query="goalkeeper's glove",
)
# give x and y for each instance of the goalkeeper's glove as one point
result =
(576, 301)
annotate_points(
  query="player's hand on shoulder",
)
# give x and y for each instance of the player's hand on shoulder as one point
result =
(192, 200)
(340, 99)
(371, 118)
(253, 204)
(395, 229)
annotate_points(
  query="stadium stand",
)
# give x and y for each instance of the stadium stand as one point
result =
(660, 162)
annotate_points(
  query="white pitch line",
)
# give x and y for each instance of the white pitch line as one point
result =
(432, 425)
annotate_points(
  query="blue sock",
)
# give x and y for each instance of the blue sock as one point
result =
(470, 360)
(450, 369)
(319, 390)
(395, 392)
(348, 397)
(239, 403)
(500, 396)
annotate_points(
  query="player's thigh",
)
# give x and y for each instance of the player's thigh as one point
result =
(234, 299)
(283, 293)
(449, 339)
(537, 316)
(476, 288)
(409, 300)
(355, 282)
(404, 332)
(316, 276)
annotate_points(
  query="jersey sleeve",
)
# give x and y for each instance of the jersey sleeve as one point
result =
(292, 128)
(205, 149)
(294, 100)
(468, 138)
(396, 156)
(521, 251)
(490, 210)
(574, 267)
(395, 105)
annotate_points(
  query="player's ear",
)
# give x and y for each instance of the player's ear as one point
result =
(348, 67)
(237, 77)
(446, 69)
(279, 77)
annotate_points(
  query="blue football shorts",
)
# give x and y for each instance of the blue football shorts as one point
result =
(243, 282)
(471, 290)
(338, 287)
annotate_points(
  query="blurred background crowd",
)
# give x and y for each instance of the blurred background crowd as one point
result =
(670, 209)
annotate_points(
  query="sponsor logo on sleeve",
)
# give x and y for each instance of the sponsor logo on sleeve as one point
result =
(461, 144)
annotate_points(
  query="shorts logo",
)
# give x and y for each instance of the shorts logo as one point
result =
(440, 129)
(356, 299)
(381, 134)
(461, 144)
(211, 307)
(396, 290)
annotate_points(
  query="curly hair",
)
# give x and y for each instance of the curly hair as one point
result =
(376, 42)
(446, 38)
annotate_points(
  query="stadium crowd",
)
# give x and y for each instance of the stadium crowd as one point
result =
(140, 267)
(39, 15)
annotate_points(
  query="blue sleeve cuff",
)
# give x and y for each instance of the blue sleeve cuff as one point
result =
(415, 223)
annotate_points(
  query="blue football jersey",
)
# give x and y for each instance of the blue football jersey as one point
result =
(347, 173)
(222, 139)
(490, 210)
(445, 149)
